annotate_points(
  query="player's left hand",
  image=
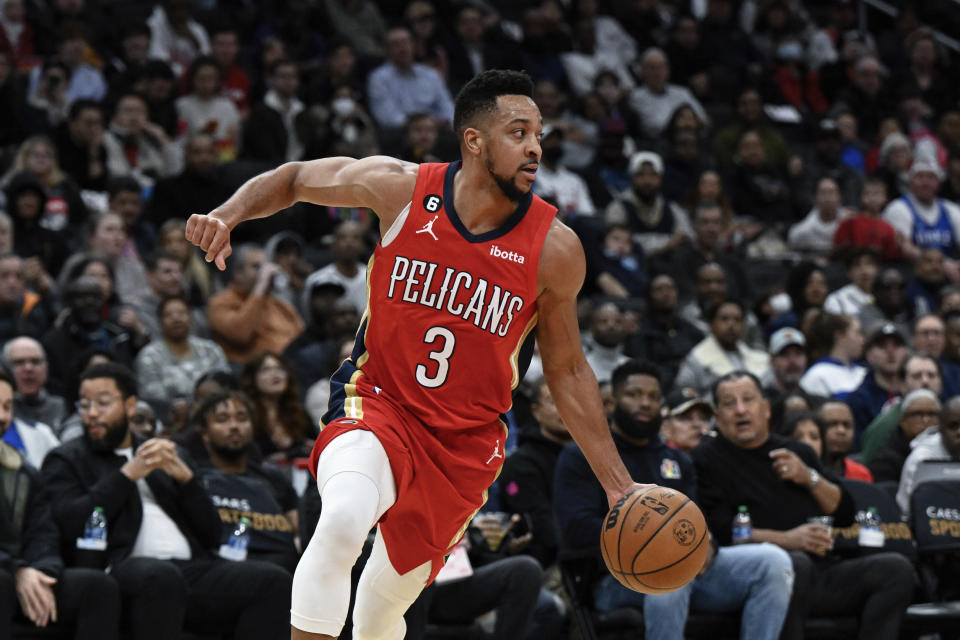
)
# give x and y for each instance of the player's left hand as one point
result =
(615, 496)
(212, 235)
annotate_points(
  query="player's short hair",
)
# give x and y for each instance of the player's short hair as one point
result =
(635, 368)
(480, 95)
(122, 376)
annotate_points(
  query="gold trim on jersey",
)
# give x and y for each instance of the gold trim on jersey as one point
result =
(362, 359)
(514, 365)
(353, 403)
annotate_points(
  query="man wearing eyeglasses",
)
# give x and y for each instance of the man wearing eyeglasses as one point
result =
(935, 443)
(161, 524)
(919, 411)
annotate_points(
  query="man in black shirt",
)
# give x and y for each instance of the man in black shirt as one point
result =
(753, 577)
(783, 484)
(240, 488)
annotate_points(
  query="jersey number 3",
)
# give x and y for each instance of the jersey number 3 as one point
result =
(441, 356)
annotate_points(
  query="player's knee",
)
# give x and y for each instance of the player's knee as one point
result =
(379, 626)
(342, 533)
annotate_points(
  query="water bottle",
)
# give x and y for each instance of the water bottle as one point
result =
(871, 535)
(94, 532)
(236, 547)
(742, 526)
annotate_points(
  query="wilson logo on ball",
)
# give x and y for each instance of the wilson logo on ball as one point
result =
(685, 533)
(612, 518)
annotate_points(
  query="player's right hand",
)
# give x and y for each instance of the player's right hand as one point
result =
(615, 496)
(212, 235)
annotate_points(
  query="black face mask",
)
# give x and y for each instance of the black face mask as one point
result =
(552, 154)
(636, 429)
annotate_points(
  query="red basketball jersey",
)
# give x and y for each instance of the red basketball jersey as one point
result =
(448, 311)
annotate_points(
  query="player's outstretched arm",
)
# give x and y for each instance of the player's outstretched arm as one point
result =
(571, 381)
(380, 183)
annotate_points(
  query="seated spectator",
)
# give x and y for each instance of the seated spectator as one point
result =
(125, 198)
(81, 329)
(851, 299)
(838, 440)
(686, 419)
(657, 99)
(890, 303)
(814, 234)
(803, 426)
(929, 337)
(224, 49)
(825, 161)
(722, 351)
(788, 362)
(475, 44)
(136, 146)
(32, 401)
(347, 269)
(32, 440)
(161, 528)
(836, 343)
(657, 224)
(923, 220)
(749, 115)
(334, 320)
(169, 367)
(704, 247)
(80, 145)
(197, 279)
(757, 186)
(100, 269)
(941, 442)
(63, 205)
(283, 430)
(46, 106)
(783, 484)
(34, 585)
(558, 184)
(83, 81)
(420, 135)
(246, 318)
(271, 133)
(22, 312)
(198, 188)
(164, 280)
(919, 410)
(205, 110)
(588, 59)
(400, 87)
(603, 344)
(620, 265)
(866, 228)
(175, 37)
(929, 277)
(240, 488)
(361, 23)
(46, 248)
(886, 349)
(710, 288)
(918, 371)
(755, 578)
(124, 69)
(951, 348)
(664, 336)
(527, 478)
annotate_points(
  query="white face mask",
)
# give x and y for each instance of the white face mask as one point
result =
(342, 107)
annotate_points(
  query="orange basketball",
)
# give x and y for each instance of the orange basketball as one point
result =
(654, 540)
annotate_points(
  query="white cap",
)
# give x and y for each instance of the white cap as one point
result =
(641, 158)
(926, 166)
(785, 337)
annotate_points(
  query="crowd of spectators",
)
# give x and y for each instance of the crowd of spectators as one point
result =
(767, 193)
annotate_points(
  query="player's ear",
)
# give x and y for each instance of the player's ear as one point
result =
(472, 141)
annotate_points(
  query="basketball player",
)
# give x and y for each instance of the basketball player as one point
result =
(469, 263)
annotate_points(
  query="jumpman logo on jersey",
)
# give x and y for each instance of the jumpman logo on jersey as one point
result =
(496, 452)
(428, 228)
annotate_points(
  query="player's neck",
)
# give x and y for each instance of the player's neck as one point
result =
(479, 202)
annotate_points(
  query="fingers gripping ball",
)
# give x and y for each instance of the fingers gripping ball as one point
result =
(654, 540)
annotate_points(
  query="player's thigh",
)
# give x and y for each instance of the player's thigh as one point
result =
(357, 451)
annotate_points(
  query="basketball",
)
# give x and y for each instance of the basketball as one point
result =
(654, 540)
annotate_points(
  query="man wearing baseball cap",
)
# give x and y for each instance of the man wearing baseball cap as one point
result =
(885, 351)
(656, 223)
(686, 418)
(788, 361)
(924, 220)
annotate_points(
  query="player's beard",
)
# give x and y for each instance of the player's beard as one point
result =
(507, 186)
(228, 453)
(116, 432)
(634, 428)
